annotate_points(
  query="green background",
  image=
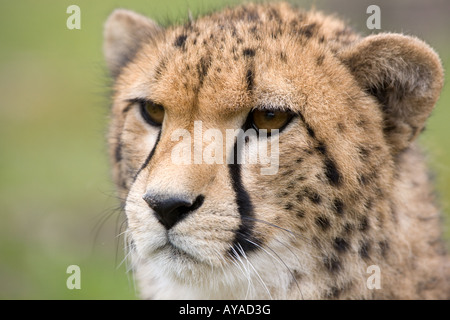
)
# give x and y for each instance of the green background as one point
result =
(57, 202)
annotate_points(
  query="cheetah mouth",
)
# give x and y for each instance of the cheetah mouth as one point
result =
(173, 253)
(183, 252)
(170, 249)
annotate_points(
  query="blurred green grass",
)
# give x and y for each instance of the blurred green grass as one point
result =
(54, 174)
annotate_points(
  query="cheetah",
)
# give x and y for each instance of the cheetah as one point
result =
(351, 192)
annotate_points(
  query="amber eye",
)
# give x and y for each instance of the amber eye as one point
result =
(270, 119)
(153, 113)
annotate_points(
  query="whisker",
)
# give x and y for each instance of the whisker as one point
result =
(102, 218)
(249, 279)
(259, 277)
(235, 258)
(130, 261)
(281, 260)
(288, 246)
(125, 259)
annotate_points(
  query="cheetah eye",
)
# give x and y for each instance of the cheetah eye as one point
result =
(152, 113)
(270, 119)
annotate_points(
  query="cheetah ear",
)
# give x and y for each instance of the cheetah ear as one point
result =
(404, 74)
(124, 33)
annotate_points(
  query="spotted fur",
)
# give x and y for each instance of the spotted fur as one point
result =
(351, 191)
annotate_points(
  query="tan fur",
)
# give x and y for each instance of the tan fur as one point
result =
(351, 190)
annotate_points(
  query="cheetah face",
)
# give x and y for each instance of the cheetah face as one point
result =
(198, 217)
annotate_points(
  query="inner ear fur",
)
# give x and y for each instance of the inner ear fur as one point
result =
(124, 33)
(404, 74)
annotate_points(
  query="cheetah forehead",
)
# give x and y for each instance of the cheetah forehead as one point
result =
(224, 56)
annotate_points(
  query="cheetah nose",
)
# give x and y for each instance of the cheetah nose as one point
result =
(171, 210)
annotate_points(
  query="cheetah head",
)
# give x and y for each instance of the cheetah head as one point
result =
(335, 111)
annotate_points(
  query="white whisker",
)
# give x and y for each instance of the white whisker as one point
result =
(279, 259)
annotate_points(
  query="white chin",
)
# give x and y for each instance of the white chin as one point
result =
(170, 273)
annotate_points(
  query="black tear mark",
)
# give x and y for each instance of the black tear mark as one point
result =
(311, 132)
(149, 157)
(244, 240)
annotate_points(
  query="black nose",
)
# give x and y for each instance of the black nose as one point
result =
(171, 210)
